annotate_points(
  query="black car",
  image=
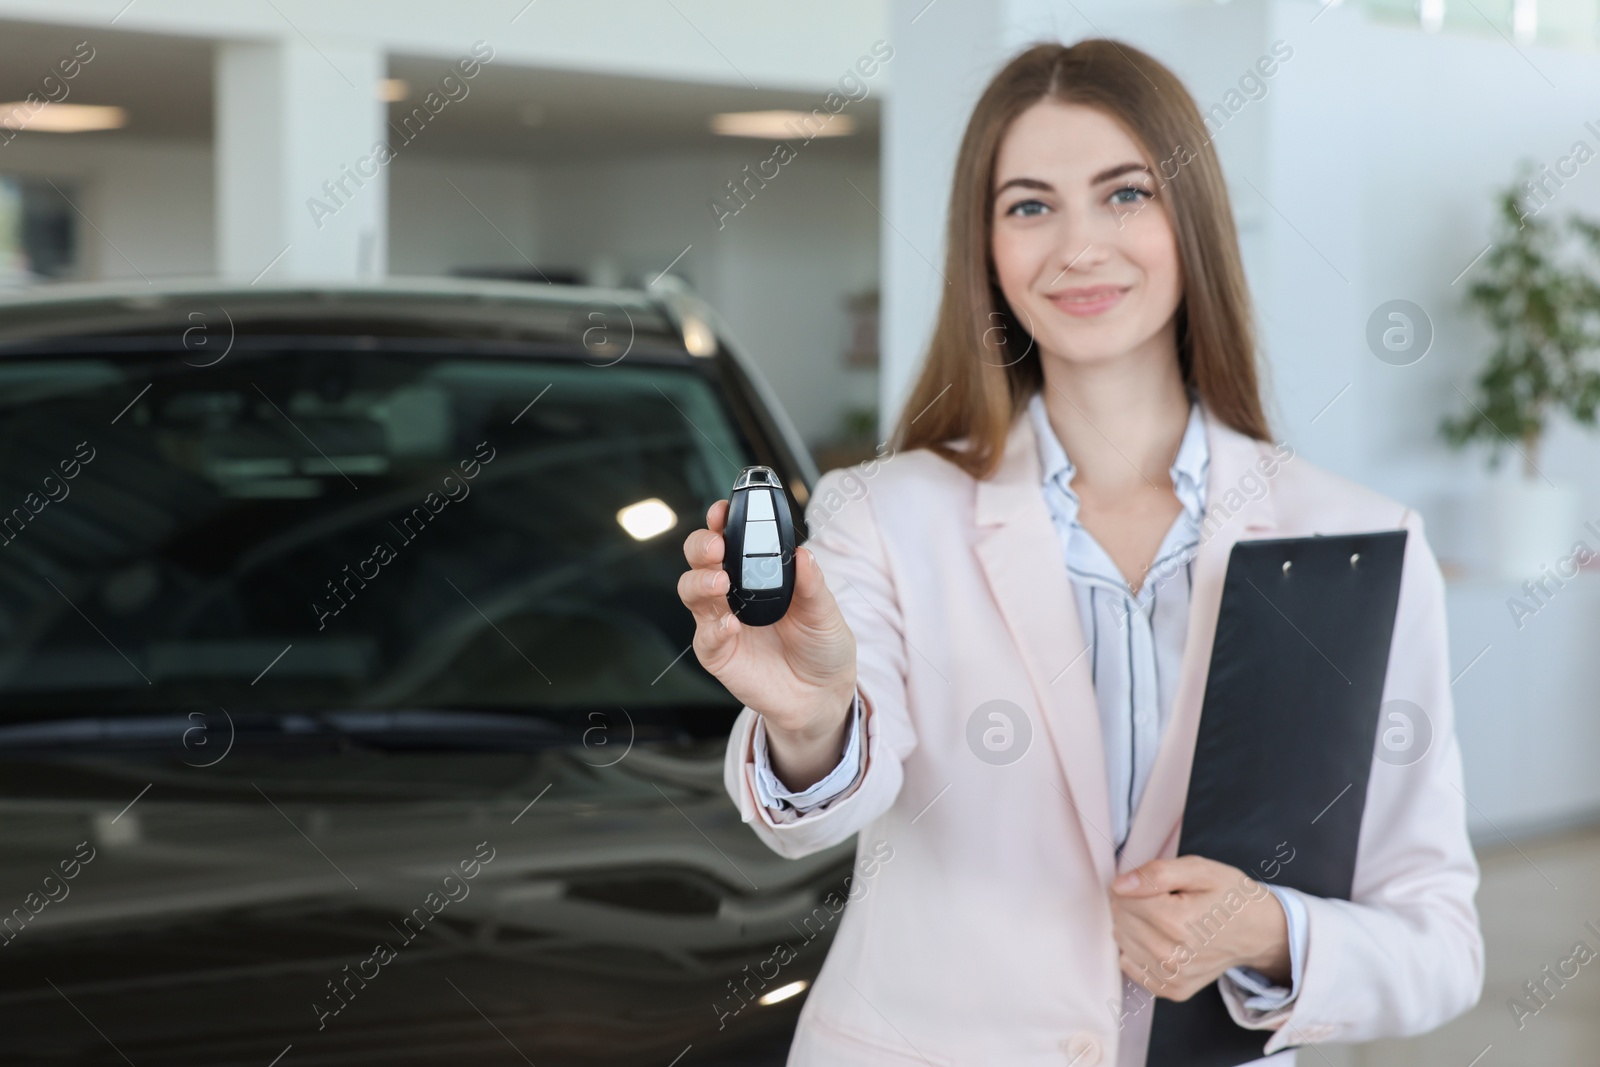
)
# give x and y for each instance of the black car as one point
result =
(347, 707)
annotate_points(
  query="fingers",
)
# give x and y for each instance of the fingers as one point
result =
(704, 591)
(704, 587)
(1136, 922)
(1130, 968)
(1145, 950)
(704, 547)
(1137, 969)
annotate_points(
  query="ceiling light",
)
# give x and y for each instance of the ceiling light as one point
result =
(783, 992)
(780, 124)
(1525, 20)
(647, 518)
(61, 118)
(393, 90)
(697, 336)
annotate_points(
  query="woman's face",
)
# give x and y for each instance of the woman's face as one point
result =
(1084, 254)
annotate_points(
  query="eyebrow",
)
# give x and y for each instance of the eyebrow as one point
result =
(1104, 176)
(1117, 171)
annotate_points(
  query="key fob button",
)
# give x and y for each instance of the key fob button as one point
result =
(762, 572)
(758, 506)
(761, 538)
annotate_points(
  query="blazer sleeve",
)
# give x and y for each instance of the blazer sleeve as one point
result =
(1405, 954)
(847, 544)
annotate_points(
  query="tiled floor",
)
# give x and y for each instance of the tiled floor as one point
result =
(1534, 900)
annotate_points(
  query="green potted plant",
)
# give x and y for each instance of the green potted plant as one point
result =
(1539, 290)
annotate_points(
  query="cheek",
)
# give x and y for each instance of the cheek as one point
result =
(1154, 247)
(1017, 255)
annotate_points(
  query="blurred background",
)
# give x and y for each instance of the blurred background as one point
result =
(1415, 185)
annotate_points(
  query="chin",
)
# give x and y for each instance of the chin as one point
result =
(1088, 346)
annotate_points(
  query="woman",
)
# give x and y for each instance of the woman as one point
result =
(1039, 566)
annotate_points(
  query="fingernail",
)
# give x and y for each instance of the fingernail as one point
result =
(711, 581)
(1125, 881)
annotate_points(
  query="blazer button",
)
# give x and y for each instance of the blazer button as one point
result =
(1082, 1050)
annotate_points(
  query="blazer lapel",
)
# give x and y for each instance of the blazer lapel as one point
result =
(1230, 516)
(1020, 552)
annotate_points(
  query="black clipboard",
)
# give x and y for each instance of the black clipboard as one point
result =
(1286, 740)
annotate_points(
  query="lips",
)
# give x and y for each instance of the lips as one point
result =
(1088, 300)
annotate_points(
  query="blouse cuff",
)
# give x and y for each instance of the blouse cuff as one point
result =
(1260, 994)
(774, 795)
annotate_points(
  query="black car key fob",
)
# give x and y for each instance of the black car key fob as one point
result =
(759, 543)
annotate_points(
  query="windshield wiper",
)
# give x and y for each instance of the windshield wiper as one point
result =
(429, 727)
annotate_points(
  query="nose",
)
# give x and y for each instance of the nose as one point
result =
(1083, 260)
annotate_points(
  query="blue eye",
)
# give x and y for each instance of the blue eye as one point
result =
(1139, 194)
(1026, 207)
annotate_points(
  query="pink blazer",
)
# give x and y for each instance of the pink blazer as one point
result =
(980, 930)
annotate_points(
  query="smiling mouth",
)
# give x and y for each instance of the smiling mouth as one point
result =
(1092, 300)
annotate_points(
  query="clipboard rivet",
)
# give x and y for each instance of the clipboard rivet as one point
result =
(1285, 568)
(1353, 559)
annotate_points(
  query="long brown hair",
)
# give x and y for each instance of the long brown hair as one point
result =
(982, 367)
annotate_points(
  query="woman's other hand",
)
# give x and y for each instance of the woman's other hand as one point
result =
(799, 673)
(1181, 923)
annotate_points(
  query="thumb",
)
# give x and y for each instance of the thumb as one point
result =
(808, 583)
(1180, 874)
(1147, 881)
(813, 600)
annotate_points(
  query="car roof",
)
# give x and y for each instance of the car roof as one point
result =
(663, 322)
(402, 307)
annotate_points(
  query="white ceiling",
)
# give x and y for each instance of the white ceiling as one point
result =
(165, 84)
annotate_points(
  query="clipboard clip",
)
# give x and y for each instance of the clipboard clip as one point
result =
(1354, 557)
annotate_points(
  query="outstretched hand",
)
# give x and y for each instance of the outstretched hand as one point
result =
(800, 672)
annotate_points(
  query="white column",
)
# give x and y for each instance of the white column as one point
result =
(944, 54)
(301, 193)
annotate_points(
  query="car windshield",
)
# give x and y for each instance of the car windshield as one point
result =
(295, 528)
